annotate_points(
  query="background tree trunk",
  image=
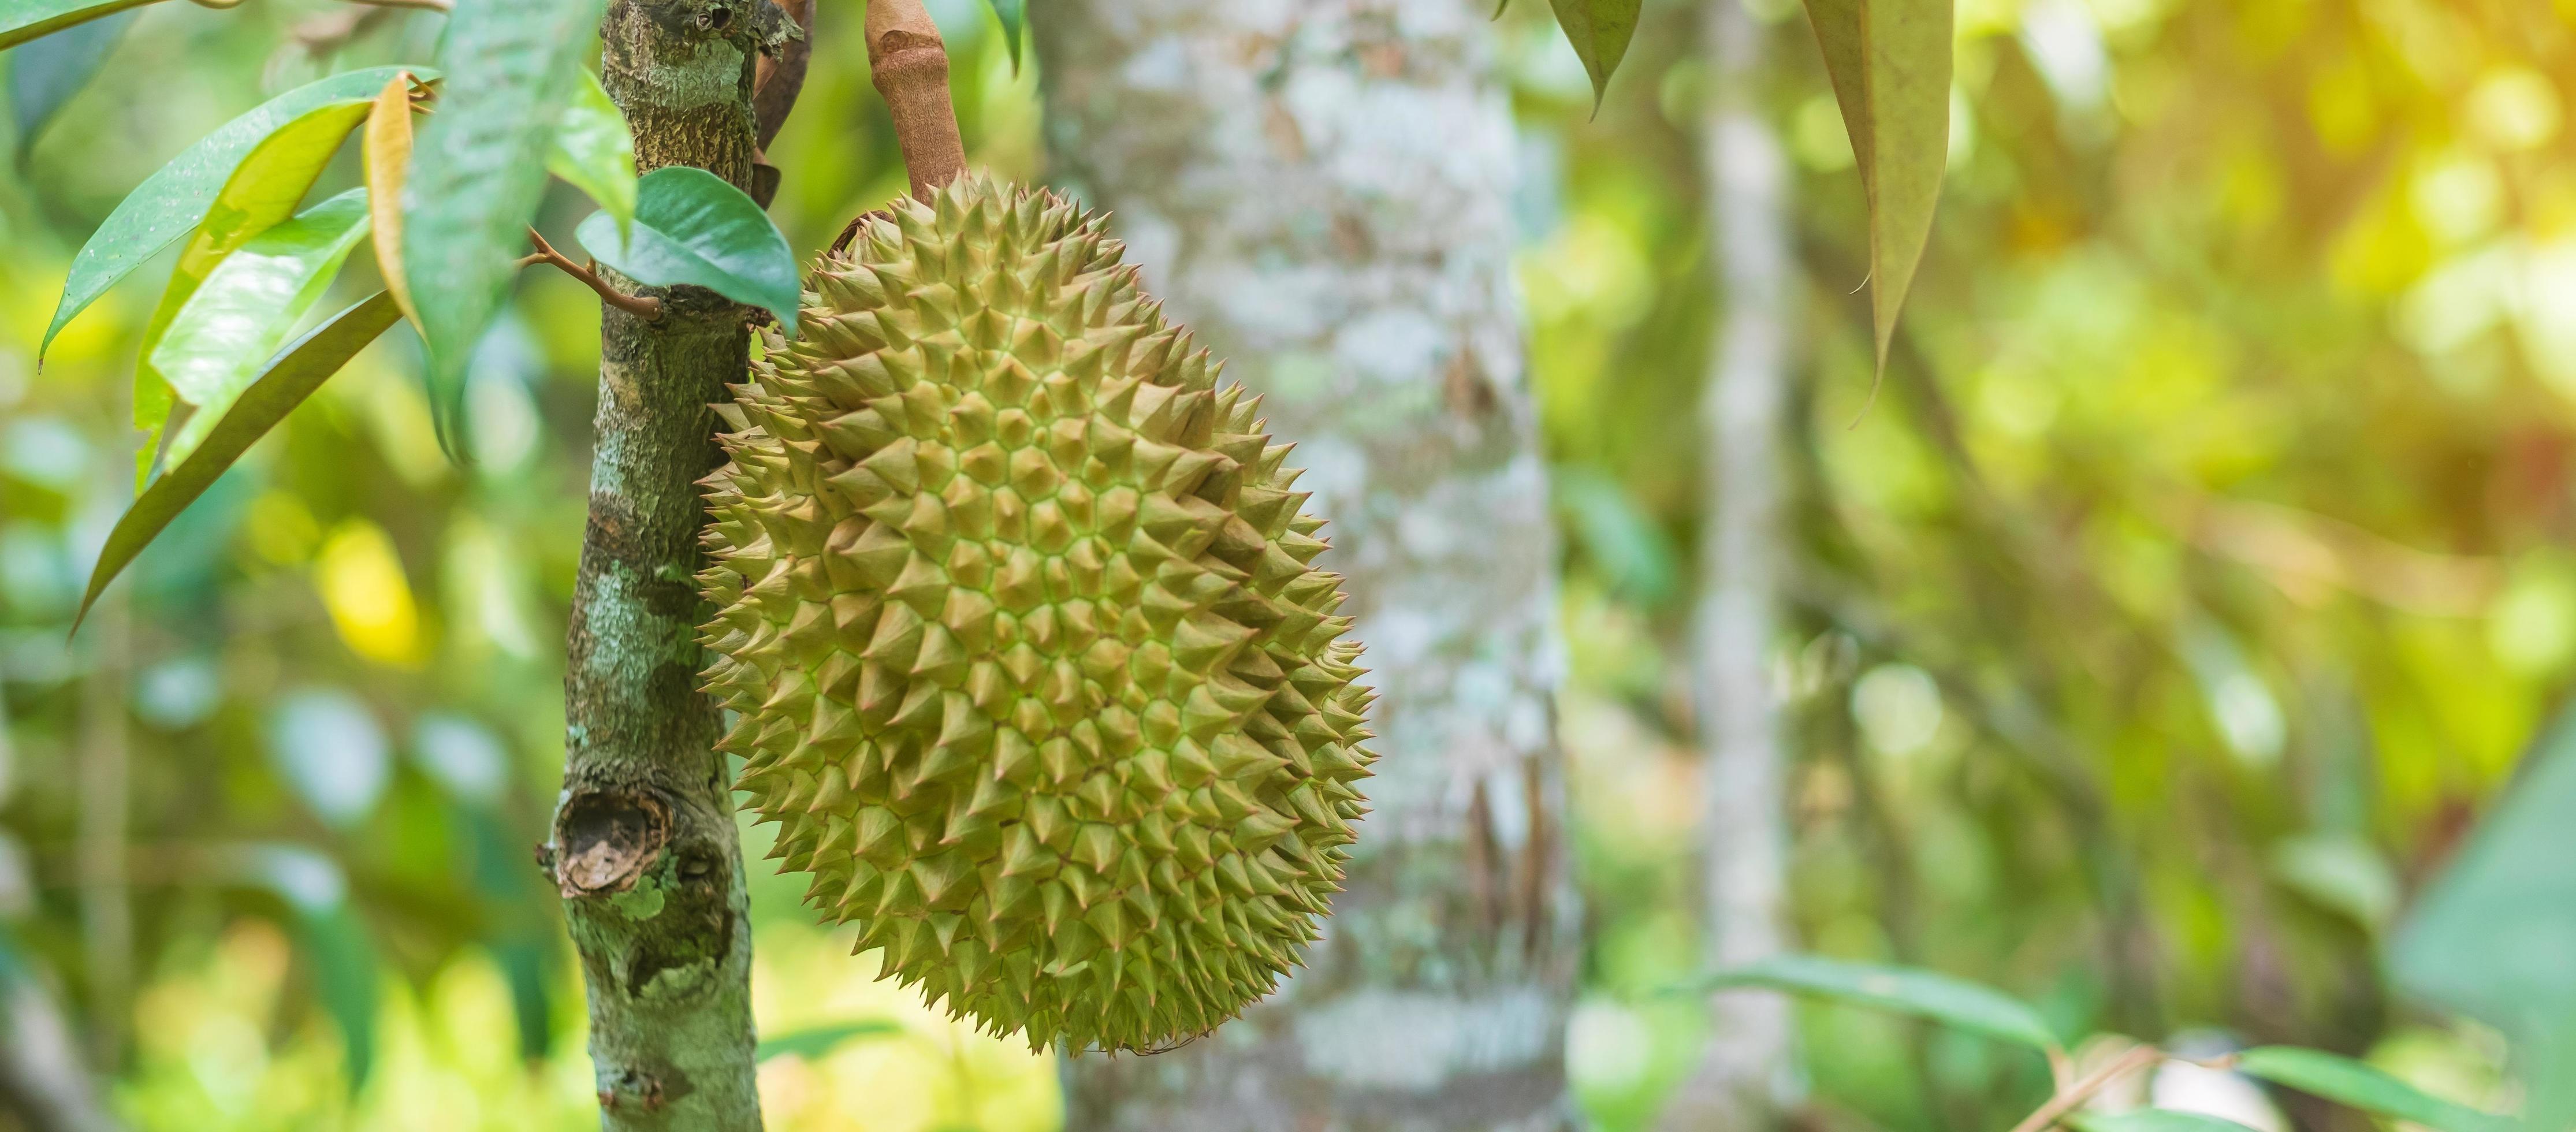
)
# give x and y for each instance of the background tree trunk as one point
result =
(44, 1085)
(1320, 189)
(645, 848)
(1743, 1071)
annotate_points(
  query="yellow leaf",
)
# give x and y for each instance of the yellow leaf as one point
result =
(370, 600)
(388, 159)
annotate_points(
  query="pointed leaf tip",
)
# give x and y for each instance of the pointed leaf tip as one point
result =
(288, 379)
(1889, 62)
(1600, 31)
(1014, 17)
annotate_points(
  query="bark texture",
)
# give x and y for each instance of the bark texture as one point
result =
(1743, 1073)
(1320, 189)
(645, 849)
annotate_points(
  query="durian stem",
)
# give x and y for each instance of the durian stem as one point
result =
(910, 65)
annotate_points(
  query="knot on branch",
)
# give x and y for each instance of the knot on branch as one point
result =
(606, 840)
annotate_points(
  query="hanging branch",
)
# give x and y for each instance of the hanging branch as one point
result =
(909, 62)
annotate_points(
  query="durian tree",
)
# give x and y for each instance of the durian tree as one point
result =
(1011, 595)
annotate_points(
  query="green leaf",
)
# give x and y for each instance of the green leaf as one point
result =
(478, 170)
(1951, 1002)
(2154, 1120)
(48, 72)
(1624, 542)
(1600, 31)
(171, 202)
(219, 341)
(1889, 61)
(595, 152)
(1014, 15)
(23, 20)
(261, 194)
(2345, 1081)
(2492, 935)
(694, 229)
(337, 945)
(291, 377)
(816, 1041)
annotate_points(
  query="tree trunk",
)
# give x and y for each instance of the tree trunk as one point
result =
(106, 747)
(645, 848)
(1742, 1074)
(1320, 189)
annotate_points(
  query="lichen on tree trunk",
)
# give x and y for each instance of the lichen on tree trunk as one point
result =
(645, 848)
(1320, 188)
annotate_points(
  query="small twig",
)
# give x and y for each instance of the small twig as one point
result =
(2067, 1099)
(645, 307)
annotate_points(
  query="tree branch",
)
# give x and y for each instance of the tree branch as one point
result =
(644, 841)
(779, 74)
(909, 63)
(645, 307)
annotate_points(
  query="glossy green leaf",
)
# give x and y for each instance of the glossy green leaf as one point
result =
(46, 74)
(1600, 31)
(1889, 61)
(2345, 1081)
(172, 201)
(2492, 936)
(595, 152)
(261, 194)
(816, 1041)
(288, 379)
(1951, 1002)
(23, 20)
(693, 229)
(478, 170)
(222, 338)
(2154, 1120)
(1014, 15)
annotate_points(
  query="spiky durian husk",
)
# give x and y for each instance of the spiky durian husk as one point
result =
(1031, 667)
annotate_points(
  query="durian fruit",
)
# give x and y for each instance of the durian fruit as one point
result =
(1032, 669)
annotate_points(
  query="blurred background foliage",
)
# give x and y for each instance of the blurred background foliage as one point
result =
(2195, 579)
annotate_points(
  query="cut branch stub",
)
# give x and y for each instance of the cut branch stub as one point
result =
(605, 840)
(910, 65)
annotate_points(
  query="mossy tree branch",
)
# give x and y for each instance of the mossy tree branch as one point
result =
(645, 849)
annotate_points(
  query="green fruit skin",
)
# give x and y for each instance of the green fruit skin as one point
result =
(1018, 616)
